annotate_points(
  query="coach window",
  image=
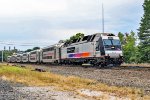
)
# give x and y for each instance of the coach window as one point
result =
(49, 57)
(24, 54)
(33, 52)
(48, 49)
(71, 50)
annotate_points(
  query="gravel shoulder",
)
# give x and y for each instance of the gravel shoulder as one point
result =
(7, 92)
(46, 93)
(16, 91)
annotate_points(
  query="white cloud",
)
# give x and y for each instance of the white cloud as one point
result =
(51, 20)
(14, 8)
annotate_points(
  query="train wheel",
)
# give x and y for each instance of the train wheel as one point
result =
(100, 65)
(117, 65)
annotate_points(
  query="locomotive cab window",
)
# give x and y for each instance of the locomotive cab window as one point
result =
(107, 42)
(116, 42)
(71, 50)
(112, 44)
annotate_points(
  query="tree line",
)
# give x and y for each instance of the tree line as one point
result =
(136, 49)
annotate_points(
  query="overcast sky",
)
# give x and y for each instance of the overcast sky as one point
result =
(45, 22)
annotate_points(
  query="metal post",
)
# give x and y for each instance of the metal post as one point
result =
(2, 56)
(103, 23)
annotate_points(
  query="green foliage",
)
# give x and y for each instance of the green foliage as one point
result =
(28, 50)
(35, 48)
(144, 34)
(129, 46)
(6, 53)
(144, 54)
(77, 36)
(140, 53)
(121, 36)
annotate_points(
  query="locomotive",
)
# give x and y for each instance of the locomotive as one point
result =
(100, 49)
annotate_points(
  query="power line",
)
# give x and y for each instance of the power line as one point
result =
(103, 23)
(23, 44)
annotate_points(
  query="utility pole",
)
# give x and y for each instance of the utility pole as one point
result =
(9, 48)
(2, 56)
(4, 48)
(103, 21)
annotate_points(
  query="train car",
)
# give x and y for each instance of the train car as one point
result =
(13, 59)
(100, 49)
(8, 59)
(51, 54)
(19, 58)
(25, 57)
(34, 56)
(97, 49)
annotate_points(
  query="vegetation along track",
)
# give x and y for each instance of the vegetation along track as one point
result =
(130, 76)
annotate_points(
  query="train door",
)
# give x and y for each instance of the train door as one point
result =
(55, 53)
(97, 49)
(100, 48)
(39, 56)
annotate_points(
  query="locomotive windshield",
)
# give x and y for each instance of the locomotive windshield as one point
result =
(111, 44)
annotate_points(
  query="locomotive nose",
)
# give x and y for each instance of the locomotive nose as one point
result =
(114, 54)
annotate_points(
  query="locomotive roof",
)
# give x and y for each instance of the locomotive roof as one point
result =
(88, 38)
(55, 45)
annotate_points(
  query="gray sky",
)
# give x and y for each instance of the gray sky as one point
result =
(45, 22)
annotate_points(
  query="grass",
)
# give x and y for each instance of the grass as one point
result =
(141, 65)
(70, 83)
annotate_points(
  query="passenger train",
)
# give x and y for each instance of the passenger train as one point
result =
(101, 49)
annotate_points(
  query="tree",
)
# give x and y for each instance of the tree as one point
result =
(77, 36)
(36, 48)
(28, 50)
(129, 46)
(144, 33)
(6, 53)
(121, 37)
